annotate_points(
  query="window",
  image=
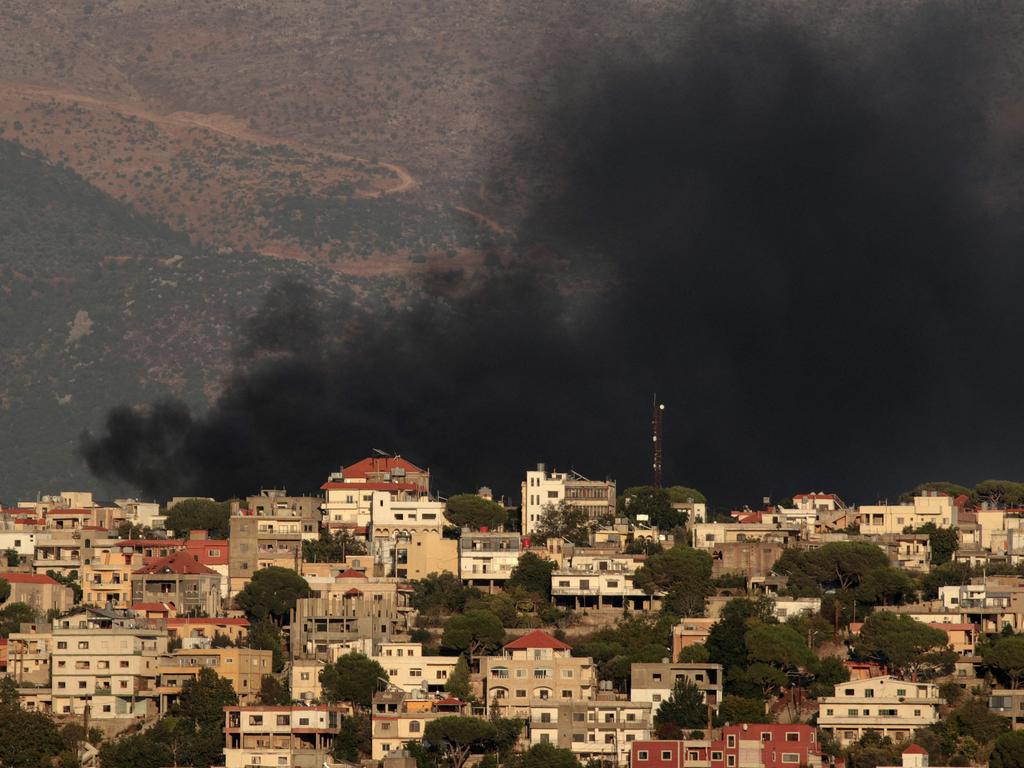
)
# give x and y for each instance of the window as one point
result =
(414, 726)
(730, 741)
(901, 691)
(520, 693)
(766, 736)
(869, 693)
(578, 738)
(848, 692)
(790, 757)
(887, 713)
(790, 736)
(851, 713)
(716, 755)
(567, 674)
(61, 645)
(917, 713)
(255, 719)
(304, 675)
(415, 672)
(545, 717)
(829, 711)
(577, 717)
(284, 720)
(123, 664)
(666, 755)
(731, 761)
(641, 755)
(566, 694)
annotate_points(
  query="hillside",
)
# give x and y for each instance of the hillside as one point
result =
(100, 305)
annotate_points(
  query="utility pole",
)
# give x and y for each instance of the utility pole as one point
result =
(658, 411)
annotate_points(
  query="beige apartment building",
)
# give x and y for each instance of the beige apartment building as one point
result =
(260, 541)
(542, 489)
(41, 592)
(105, 660)
(30, 653)
(398, 717)
(653, 682)
(244, 668)
(1008, 703)
(414, 553)
(600, 581)
(283, 737)
(107, 577)
(321, 623)
(932, 507)
(884, 705)
(593, 730)
(535, 667)
(487, 558)
(305, 679)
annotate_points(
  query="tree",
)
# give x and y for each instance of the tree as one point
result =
(265, 635)
(67, 581)
(5, 590)
(680, 494)
(546, 755)
(354, 678)
(1008, 751)
(27, 739)
(837, 565)
(467, 510)
(354, 740)
(684, 573)
(140, 750)
(696, 654)
(273, 693)
(737, 709)
(565, 521)
(780, 646)
(476, 632)
(532, 573)
(1005, 657)
(457, 737)
(950, 489)
(13, 615)
(654, 505)
(885, 586)
(203, 699)
(130, 530)
(684, 709)
(200, 515)
(1000, 492)
(272, 592)
(903, 644)
(770, 680)
(639, 638)
(12, 558)
(441, 593)
(725, 643)
(942, 541)
(332, 548)
(828, 673)
(458, 680)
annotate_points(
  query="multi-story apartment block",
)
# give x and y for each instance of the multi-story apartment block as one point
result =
(261, 541)
(653, 682)
(931, 507)
(1008, 703)
(990, 602)
(283, 737)
(884, 705)
(107, 577)
(399, 717)
(487, 558)
(746, 745)
(199, 631)
(534, 668)
(413, 553)
(908, 551)
(60, 552)
(244, 668)
(411, 671)
(600, 581)
(322, 622)
(105, 660)
(305, 679)
(277, 503)
(593, 730)
(29, 654)
(41, 592)
(542, 489)
(714, 536)
(178, 578)
(388, 469)
(143, 513)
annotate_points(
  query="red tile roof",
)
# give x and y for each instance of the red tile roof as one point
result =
(179, 543)
(537, 639)
(353, 593)
(180, 562)
(27, 578)
(335, 486)
(378, 464)
(915, 749)
(351, 574)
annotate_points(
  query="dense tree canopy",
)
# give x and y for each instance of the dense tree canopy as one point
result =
(332, 548)
(1008, 751)
(265, 635)
(458, 737)
(532, 574)
(468, 510)
(904, 644)
(737, 709)
(476, 631)
(651, 506)
(13, 615)
(684, 710)
(683, 573)
(565, 521)
(354, 678)
(441, 593)
(836, 565)
(5, 590)
(458, 684)
(636, 639)
(726, 644)
(548, 756)
(1005, 657)
(200, 515)
(272, 592)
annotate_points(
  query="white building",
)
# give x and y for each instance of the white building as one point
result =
(542, 489)
(885, 705)
(931, 507)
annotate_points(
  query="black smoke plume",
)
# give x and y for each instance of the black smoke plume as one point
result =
(801, 228)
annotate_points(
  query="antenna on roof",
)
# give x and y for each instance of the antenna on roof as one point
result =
(385, 454)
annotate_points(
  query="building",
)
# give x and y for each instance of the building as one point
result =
(411, 671)
(914, 756)
(931, 507)
(690, 631)
(593, 730)
(244, 668)
(289, 737)
(199, 631)
(884, 705)
(908, 551)
(321, 623)
(180, 579)
(991, 602)
(305, 679)
(600, 581)
(487, 558)
(542, 489)
(105, 660)
(260, 541)
(388, 469)
(107, 576)
(746, 745)
(534, 668)
(277, 503)
(413, 552)
(653, 682)
(41, 592)
(398, 717)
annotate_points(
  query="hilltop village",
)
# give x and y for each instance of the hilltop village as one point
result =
(377, 624)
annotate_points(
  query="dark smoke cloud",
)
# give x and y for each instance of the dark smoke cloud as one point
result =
(794, 219)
